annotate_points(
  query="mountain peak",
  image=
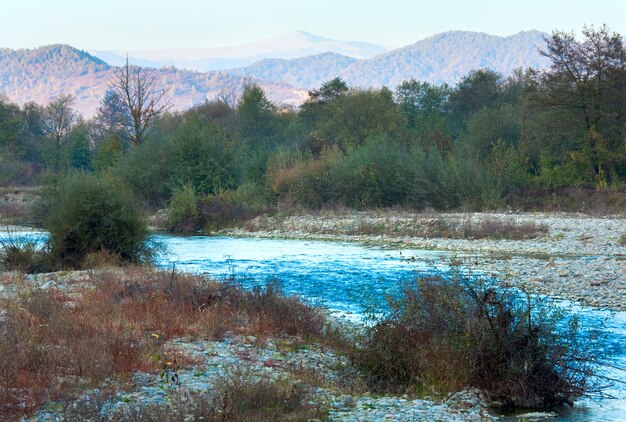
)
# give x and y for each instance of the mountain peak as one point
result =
(63, 52)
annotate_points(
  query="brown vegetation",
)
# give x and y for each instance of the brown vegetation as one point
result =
(445, 334)
(56, 342)
(485, 228)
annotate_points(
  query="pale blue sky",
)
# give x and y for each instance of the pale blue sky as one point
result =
(128, 24)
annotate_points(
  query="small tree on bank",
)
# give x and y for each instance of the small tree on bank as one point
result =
(140, 100)
(89, 214)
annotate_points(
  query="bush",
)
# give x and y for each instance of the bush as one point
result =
(378, 173)
(447, 334)
(15, 172)
(114, 323)
(22, 255)
(88, 214)
(183, 215)
(149, 170)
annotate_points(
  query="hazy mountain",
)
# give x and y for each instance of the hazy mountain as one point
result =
(447, 57)
(286, 46)
(306, 72)
(44, 73)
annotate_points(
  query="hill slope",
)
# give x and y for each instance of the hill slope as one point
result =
(449, 56)
(46, 72)
(43, 73)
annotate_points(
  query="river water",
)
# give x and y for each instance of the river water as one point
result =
(342, 276)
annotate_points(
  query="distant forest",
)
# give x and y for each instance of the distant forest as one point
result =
(486, 143)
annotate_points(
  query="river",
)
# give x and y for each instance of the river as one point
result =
(340, 276)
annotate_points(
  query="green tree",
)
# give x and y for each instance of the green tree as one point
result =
(587, 78)
(254, 117)
(58, 118)
(425, 107)
(359, 115)
(89, 214)
(480, 89)
(10, 128)
(204, 157)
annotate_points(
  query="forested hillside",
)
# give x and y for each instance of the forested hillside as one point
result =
(44, 73)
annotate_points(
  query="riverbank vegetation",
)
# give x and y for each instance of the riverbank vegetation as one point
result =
(89, 219)
(445, 333)
(486, 143)
(539, 139)
(62, 341)
(97, 329)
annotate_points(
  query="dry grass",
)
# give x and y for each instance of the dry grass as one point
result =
(241, 394)
(15, 212)
(487, 228)
(622, 239)
(55, 343)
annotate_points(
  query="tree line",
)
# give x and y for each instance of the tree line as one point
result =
(479, 144)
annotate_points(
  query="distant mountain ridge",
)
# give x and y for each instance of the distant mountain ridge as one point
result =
(445, 57)
(291, 45)
(449, 56)
(43, 73)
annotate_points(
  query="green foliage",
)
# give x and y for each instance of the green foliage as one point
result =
(79, 152)
(108, 153)
(445, 334)
(254, 117)
(470, 146)
(378, 173)
(359, 115)
(183, 215)
(203, 157)
(88, 214)
(148, 169)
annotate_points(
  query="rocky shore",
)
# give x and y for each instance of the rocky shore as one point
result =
(273, 359)
(574, 256)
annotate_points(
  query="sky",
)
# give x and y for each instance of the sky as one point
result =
(146, 24)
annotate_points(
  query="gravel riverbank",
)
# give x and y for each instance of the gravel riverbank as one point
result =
(573, 256)
(332, 382)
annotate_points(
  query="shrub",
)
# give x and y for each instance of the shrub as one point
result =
(378, 173)
(183, 215)
(22, 255)
(257, 397)
(149, 169)
(15, 172)
(241, 394)
(219, 211)
(87, 214)
(449, 333)
(113, 322)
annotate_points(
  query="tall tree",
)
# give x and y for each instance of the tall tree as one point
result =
(480, 89)
(136, 89)
(10, 122)
(254, 116)
(588, 78)
(58, 118)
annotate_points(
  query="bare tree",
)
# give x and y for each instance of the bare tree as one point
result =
(142, 101)
(58, 118)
